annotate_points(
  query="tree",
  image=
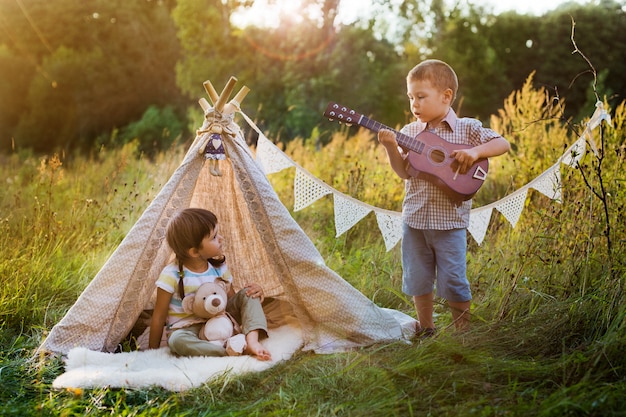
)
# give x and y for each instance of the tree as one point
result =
(600, 32)
(98, 65)
(20, 71)
(80, 69)
(460, 41)
(294, 69)
(495, 54)
(209, 49)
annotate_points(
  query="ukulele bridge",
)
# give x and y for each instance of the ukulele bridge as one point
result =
(480, 173)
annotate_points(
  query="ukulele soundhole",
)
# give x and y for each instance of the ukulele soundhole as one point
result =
(437, 156)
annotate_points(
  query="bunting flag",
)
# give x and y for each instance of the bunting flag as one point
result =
(271, 158)
(549, 183)
(596, 118)
(574, 153)
(512, 206)
(307, 190)
(349, 211)
(479, 221)
(390, 225)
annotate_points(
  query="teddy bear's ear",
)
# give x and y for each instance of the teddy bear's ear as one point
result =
(222, 283)
(188, 303)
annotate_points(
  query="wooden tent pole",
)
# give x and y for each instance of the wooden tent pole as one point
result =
(208, 87)
(225, 95)
(204, 104)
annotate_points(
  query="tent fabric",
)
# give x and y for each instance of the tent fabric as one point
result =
(263, 244)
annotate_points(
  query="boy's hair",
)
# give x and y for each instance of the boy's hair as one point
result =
(440, 75)
(187, 229)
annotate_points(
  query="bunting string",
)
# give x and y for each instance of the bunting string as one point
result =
(349, 211)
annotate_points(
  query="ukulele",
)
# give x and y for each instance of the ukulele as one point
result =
(429, 156)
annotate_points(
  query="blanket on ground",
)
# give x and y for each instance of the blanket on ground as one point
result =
(85, 368)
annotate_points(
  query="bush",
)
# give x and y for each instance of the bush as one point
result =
(156, 131)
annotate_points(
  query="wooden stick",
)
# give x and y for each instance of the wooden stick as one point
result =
(233, 105)
(226, 92)
(204, 104)
(241, 94)
(456, 174)
(208, 87)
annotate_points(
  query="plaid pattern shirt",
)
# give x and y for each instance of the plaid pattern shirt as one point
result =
(425, 206)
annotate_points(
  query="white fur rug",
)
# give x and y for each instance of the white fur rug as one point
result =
(142, 369)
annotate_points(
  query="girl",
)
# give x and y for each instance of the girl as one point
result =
(194, 237)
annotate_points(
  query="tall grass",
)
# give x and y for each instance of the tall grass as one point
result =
(548, 330)
(60, 220)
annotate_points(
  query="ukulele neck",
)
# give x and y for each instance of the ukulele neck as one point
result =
(403, 140)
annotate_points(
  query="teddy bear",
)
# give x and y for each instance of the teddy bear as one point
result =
(209, 302)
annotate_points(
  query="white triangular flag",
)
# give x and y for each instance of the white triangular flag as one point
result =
(549, 183)
(596, 118)
(599, 115)
(348, 212)
(479, 222)
(574, 153)
(390, 225)
(307, 190)
(512, 206)
(270, 157)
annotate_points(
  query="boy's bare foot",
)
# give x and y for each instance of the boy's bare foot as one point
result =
(255, 348)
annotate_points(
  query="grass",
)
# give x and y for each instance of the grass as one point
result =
(548, 330)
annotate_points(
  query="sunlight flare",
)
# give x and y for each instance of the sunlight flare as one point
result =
(273, 13)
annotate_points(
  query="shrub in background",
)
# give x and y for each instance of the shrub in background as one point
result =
(156, 131)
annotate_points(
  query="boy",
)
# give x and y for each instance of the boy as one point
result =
(434, 227)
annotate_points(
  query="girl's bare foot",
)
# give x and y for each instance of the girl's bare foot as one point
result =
(259, 351)
(255, 348)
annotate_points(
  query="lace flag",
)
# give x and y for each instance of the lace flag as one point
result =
(390, 225)
(479, 221)
(348, 212)
(549, 183)
(274, 159)
(307, 190)
(511, 207)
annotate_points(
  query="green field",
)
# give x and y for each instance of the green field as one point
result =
(548, 329)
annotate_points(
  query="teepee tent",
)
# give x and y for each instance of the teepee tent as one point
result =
(263, 244)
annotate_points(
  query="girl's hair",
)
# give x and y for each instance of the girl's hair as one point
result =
(187, 229)
(440, 74)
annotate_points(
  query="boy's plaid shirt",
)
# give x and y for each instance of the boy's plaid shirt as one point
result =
(425, 206)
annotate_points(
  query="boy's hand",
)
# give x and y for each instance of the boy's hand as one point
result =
(465, 158)
(387, 138)
(254, 291)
